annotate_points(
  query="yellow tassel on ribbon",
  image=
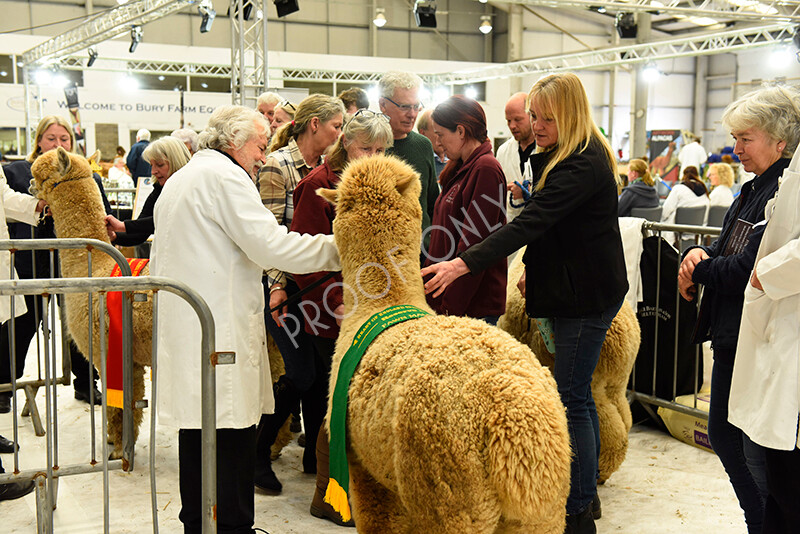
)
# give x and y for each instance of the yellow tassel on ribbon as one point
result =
(337, 498)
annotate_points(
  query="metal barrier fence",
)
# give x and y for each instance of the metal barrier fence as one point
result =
(683, 233)
(46, 478)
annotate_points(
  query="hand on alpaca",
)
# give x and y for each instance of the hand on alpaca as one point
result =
(445, 273)
(521, 284)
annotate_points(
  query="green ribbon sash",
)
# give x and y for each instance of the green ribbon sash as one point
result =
(338, 485)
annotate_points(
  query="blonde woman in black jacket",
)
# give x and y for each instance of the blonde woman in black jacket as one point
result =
(574, 264)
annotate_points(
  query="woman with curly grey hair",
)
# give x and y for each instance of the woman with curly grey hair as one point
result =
(764, 127)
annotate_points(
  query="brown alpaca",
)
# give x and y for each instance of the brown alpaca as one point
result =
(453, 426)
(65, 181)
(610, 378)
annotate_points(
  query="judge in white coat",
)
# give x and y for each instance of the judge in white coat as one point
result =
(214, 234)
(765, 388)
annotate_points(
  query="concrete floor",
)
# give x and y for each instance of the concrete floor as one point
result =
(664, 486)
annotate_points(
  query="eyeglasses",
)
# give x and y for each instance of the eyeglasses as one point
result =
(285, 104)
(406, 107)
(364, 112)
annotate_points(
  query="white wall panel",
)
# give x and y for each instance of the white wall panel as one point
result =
(349, 41)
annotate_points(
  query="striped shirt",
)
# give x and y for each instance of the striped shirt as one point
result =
(276, 182)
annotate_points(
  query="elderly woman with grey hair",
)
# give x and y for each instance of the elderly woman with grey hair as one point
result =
(166, 156)
(189, 138)
(764, 127)
(214, 235)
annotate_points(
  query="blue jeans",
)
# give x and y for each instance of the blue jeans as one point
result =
(578, 343)
(743, 460)
(293, 342)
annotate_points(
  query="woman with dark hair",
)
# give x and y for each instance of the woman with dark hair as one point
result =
(691, 191)
(469, 208)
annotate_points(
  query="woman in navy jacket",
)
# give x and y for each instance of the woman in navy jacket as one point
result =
(574, 264)
(470, 207)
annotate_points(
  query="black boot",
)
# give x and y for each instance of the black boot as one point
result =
(597, 510)
(5, 402)
(286, 396)
(581, 523)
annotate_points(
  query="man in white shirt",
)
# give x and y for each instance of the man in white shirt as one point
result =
(692, 154)
(514, 153)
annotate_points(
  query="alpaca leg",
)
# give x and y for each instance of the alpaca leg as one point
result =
(507, 526)
(376, 510)
(115, 432)
(613, 435)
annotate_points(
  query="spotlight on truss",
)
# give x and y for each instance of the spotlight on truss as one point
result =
(136, 38)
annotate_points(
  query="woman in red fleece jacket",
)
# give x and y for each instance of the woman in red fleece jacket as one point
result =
(366, 134)
(469, 208)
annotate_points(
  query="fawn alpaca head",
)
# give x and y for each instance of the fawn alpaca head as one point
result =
(56, 167)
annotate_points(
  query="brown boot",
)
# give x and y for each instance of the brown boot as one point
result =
(319, 508)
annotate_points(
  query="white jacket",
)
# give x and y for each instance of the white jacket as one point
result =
(692, 155)
(765, 389)
(721, 196)
(214, 234)
(17, 207)
(508, 156)
(681, 196)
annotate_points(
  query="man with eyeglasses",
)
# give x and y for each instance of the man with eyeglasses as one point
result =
(400, 102)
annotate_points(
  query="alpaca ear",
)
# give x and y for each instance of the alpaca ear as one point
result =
(404, 181)
(64, 162)
(330, 195)
(95, 157)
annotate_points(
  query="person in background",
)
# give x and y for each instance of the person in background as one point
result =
(166, 156)
(52, 131)
(354, 99)
(515, 153)
(213, 196)
(137, 165)
(119, 159)
(571, 220)
(283, 113)
(425, 127)
(400, 102)
(265, 104)
(764, 127)
(366, 134)
(721, 177)
(473, 189)
(692, 154)
(640, 191)
(296, 149)
(689, 192)
(188, 137)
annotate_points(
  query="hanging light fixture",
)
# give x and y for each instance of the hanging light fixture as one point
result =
(380, 17)
(92, 57)
(136, 38)
(486, 24)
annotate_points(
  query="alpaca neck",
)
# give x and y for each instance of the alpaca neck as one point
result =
(376, 283)
(78, 212)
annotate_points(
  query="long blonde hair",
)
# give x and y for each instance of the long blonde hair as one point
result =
(44, 124)
(563, 97)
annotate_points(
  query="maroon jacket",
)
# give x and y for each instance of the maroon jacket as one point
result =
(470, 207)
(314, 215)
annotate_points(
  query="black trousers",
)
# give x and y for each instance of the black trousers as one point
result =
(25, 327)
(782, 513)
(236, 453)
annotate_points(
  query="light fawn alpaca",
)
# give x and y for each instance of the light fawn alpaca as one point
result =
(453, 426)
(65, 181)
(610, 377)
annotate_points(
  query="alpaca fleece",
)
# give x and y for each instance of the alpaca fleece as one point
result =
(610, 378)
(453, 425)
(65, 181)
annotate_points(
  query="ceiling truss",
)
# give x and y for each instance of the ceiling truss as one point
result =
(766, 11)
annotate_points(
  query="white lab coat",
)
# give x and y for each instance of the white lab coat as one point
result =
(721, 196)
(508, 156)
(17, 207)
(692, 155)
(765, 389)
(214, 234)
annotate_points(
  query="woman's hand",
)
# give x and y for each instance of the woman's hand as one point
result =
(695, 256)
(516, 192)
(339, 314)
(521, 283)
(445, 273)
(114, 224)
(40, 207)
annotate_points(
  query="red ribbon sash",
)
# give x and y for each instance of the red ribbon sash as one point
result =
(114, 355)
